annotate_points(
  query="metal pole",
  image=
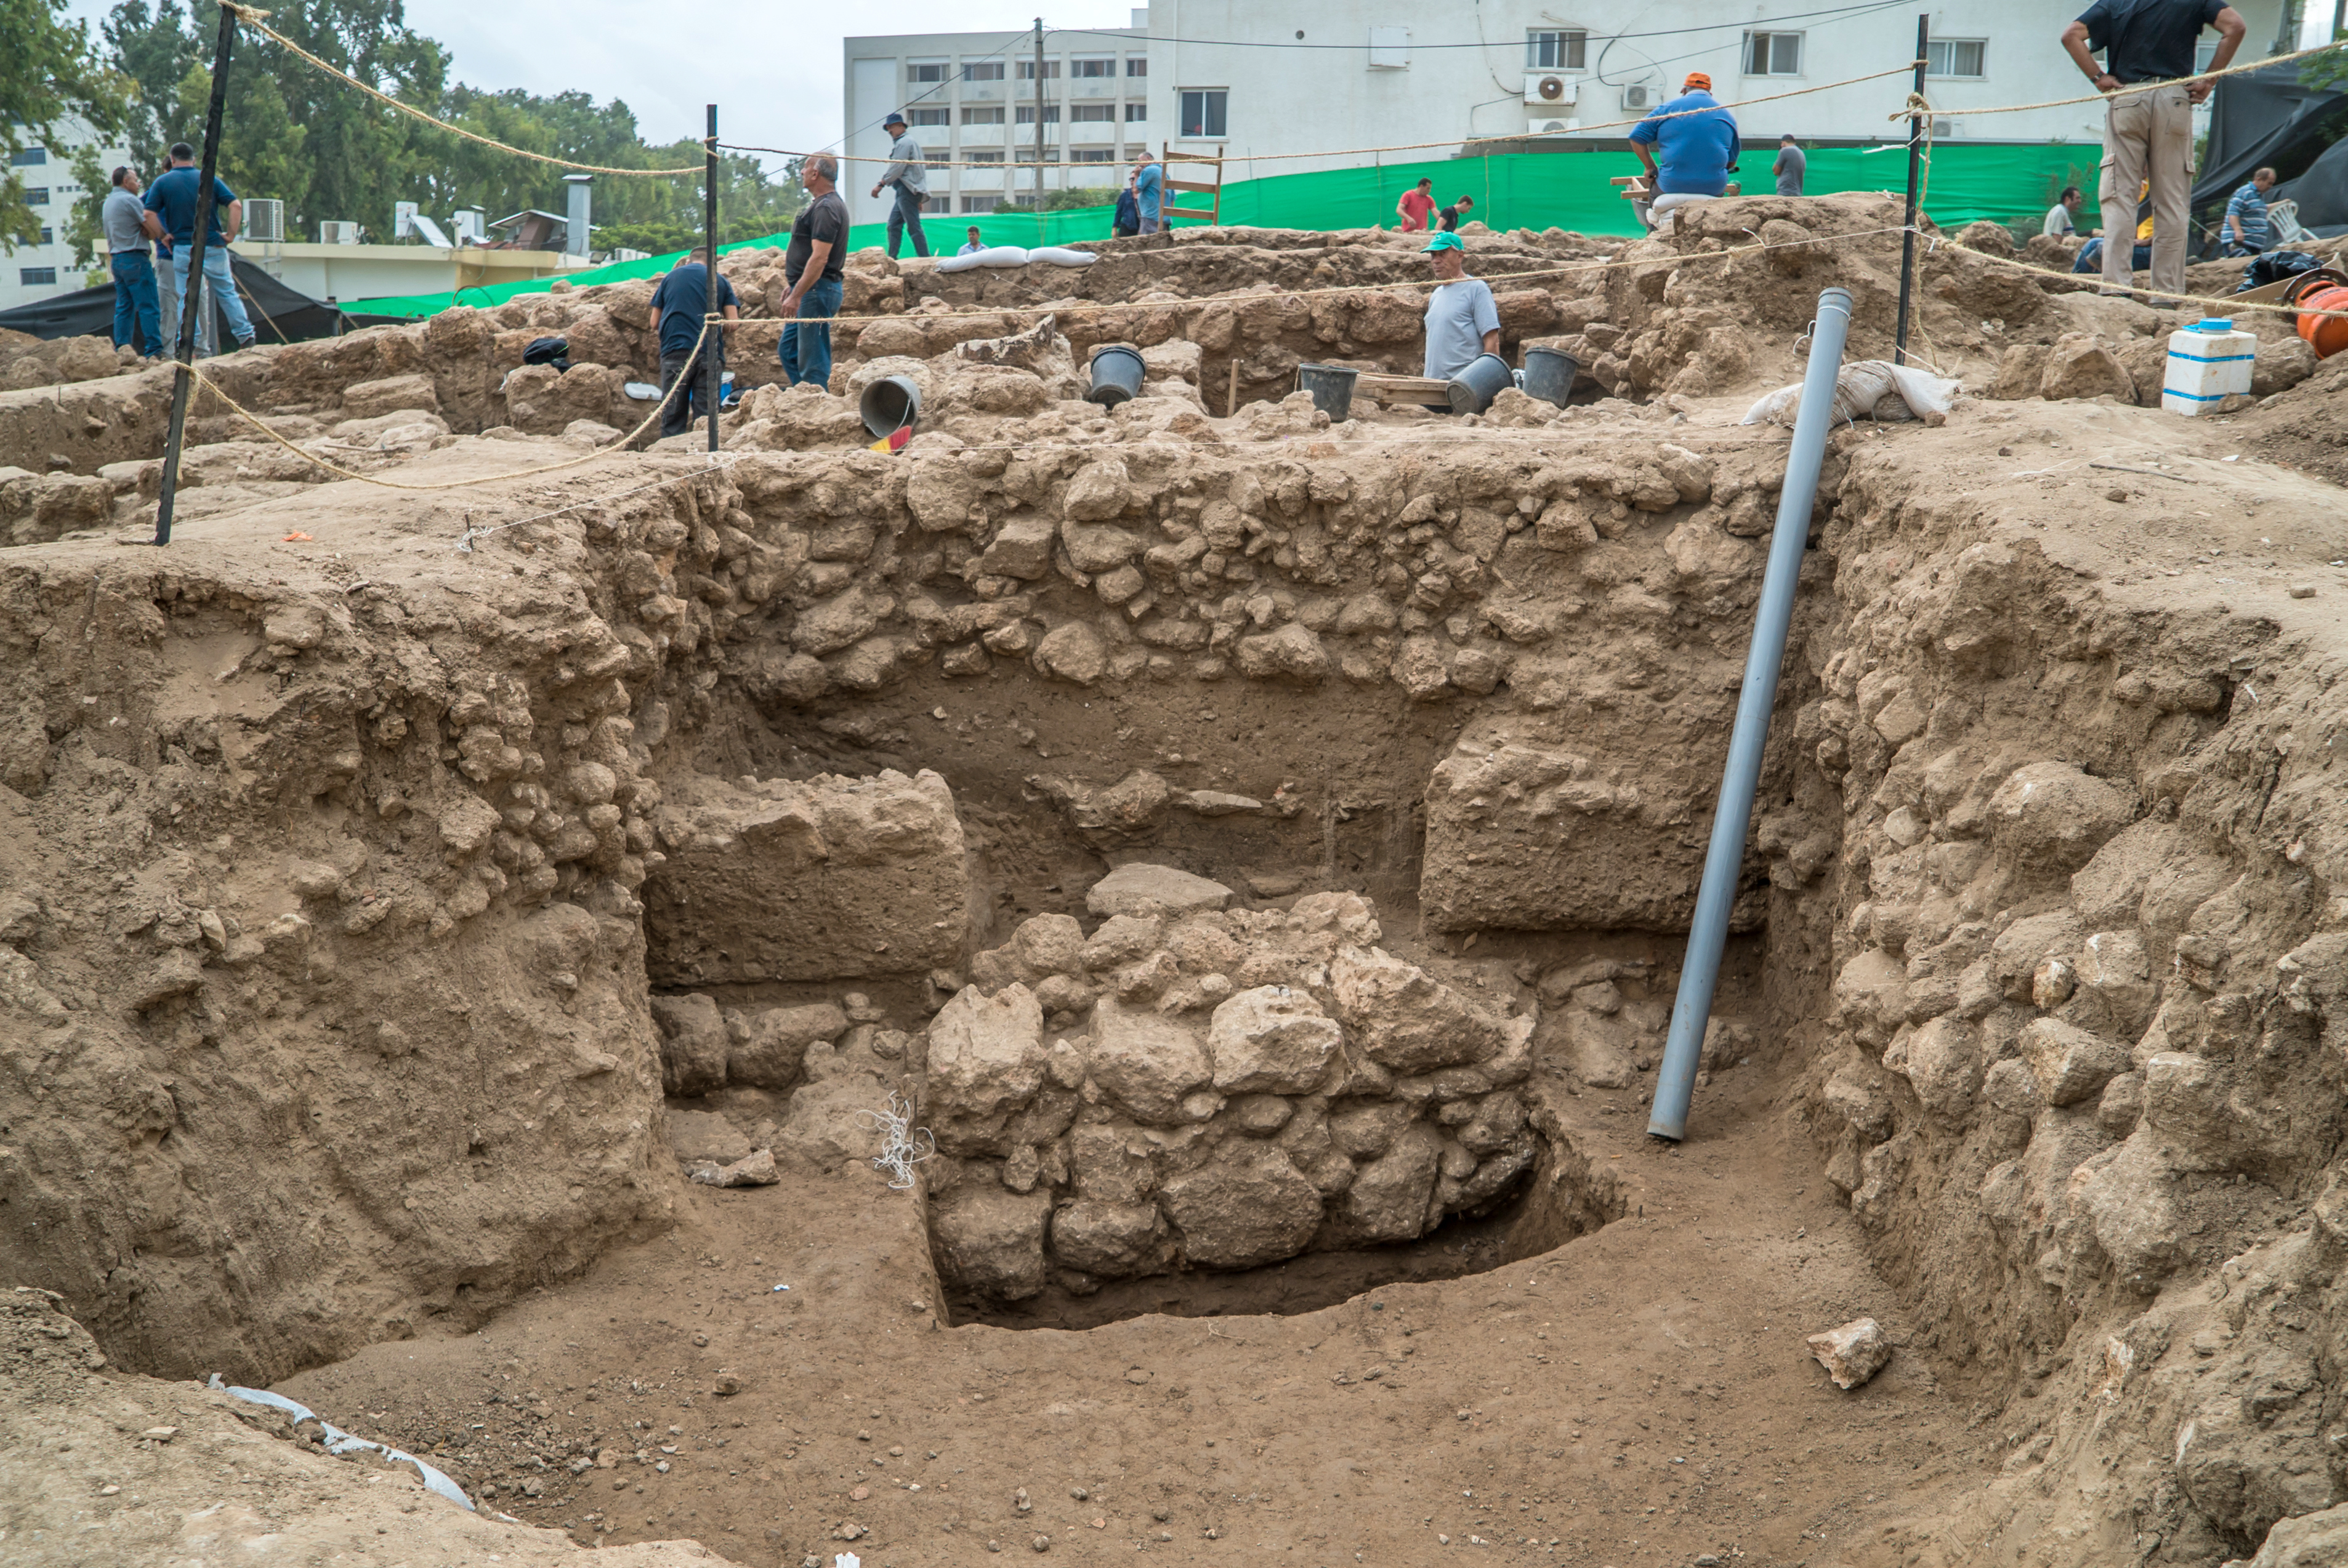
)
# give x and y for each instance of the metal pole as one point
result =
(184, 348)
(1708, 932)
(1039, 120)
(1915, 167)
(712, 367)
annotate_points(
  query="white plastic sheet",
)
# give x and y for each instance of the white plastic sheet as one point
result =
(1873, 387)
(339, 1441)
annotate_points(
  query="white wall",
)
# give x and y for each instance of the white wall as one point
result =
(56, 176)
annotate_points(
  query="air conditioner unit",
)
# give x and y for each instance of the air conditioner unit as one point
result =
(1639, 97)
(264, 219)
(1549, 125)
(1551, 88)
(335, 233)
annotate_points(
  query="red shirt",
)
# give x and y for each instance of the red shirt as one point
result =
(1415, 206)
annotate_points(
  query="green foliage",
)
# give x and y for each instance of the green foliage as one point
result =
(49, 71)
(1081, 196)
(85, 229)
(2326, 70)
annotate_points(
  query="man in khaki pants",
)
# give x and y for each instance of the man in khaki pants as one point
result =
(2148, 134)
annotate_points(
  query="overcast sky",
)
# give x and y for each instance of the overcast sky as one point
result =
(774, 72)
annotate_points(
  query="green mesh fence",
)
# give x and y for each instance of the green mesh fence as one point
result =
(2006, 182)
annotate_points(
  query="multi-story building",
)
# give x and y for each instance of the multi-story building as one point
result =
(45, 268)
(970, 98)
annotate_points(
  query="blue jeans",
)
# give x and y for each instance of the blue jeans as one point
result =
(806, 350)
(223, 282)
(135, 301)
(907, 214)
(2091, 257)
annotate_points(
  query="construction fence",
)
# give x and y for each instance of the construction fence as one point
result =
(2013, 183)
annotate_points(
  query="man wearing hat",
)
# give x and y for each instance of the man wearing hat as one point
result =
(911, 176)
(1689, 147)
(1463, 321)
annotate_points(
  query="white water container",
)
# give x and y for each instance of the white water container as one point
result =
(2208, 361)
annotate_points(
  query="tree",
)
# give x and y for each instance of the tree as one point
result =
(48, 72)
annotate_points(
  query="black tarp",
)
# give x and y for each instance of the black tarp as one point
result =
(2271, 118)
(279, 314)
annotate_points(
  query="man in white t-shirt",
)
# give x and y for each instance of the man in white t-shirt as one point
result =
(1463, 321)
(2059, 224)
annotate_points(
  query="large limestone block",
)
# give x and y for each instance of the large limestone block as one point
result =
(1387, 1200)
(1245, 1207)
(1118, 1240)
(823, 879)
(1147, 1061)
(1404, 1018)
(1140, 890)
(1272, 1040)
(989, 1240)
(985, 1063)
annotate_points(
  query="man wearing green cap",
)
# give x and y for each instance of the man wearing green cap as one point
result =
(1462, 319)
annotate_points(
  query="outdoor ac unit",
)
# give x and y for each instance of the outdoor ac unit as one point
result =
(1550, 89)
(264, 219)
(1638, 97)
(1545, 125)
(335, 233)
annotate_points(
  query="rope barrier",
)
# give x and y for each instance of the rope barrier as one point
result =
(252, 18)
(2230, 303)
(1901, 69)
(2133, 88)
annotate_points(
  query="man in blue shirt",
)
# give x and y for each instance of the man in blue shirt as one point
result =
(172, 198)
(1689, 146)
(678, 305)
(2247, 229)
(1148, 188)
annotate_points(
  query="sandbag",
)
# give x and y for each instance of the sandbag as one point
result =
(1872, 388)
(993, 256)
(1059, 256)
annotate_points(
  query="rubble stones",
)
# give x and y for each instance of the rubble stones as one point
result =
(1139, 889)
(990, 1240)
(985, 1059)
(1147, 1061)
(1405, 1018)
(1272, 1039)
(1248, 1206)
(1852, 1353)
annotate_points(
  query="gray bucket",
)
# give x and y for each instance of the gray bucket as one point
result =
(1549, 375)
(1473, 389)
(1116, 376)
(890, 404)
(1332, 386)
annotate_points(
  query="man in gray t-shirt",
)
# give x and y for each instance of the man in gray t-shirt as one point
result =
(125, 220)
(1790, 167)
(1463, 321)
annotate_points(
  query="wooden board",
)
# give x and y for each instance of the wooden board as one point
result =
(1405, 388)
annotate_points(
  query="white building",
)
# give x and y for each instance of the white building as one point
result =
(970, 98)
(46, 269)
(1267, 79)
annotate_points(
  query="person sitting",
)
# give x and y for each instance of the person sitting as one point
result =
(1463, 320)
(2091, 254)
(2058, 224)
(972, 245)
(2247, 230)
(1689, 147)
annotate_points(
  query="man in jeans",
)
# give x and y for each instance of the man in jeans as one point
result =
(173, 200)
(812, 266)
(911, 177)
(135, 305)
(2148, 135)
(679, 303)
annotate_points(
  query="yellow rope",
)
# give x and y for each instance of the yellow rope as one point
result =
(1358, 151)
(253, 19)
(2134, 87)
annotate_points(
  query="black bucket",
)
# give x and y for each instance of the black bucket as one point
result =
(1332, 386)
(1116, 376)
(890, 404)
(1485, 378)
(1549, 373)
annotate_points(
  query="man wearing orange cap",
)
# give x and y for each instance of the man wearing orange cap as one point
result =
(1689, 146)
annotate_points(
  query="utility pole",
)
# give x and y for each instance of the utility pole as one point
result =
(191, 297)
(1039, 116)
(1915, 167)
(713, 378)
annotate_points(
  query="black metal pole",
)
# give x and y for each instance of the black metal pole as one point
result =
(1915, 171)
(712, 370)
(191, 297)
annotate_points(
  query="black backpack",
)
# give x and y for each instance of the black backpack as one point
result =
(553, 351)
(2273, 266)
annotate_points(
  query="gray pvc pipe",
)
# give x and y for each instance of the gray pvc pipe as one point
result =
(1700, 971)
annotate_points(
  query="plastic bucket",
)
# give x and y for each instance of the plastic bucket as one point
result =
(889, 403)
(1473, 389)
(1117, 376)
(1549, 375)
(1332, 386)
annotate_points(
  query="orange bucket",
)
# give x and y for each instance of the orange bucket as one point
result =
(2327, 336)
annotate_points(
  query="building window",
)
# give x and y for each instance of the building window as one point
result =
(1136, 113)
(977, 156)
(1954, 57)
(2204, 52)
(1546, 49)
(979, 203)
(1093, 112)
(36, 277)
(1090, 69)
(1203, 111)
(991, 115)
(48, 235)
(982, 71)
(927, 114)
(1773, 54)
(934, 71)
(1137, 66)
(1027, 114)
(37, 196)
(1027, 70)
(1092, 155)
(29, 158)
(1027, 155)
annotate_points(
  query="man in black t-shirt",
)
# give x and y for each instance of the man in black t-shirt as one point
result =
(1448, 219)
(678, 305)
(2148, 134)
(818, 253)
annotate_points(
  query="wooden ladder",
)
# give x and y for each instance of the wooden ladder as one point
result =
(1212, 212)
